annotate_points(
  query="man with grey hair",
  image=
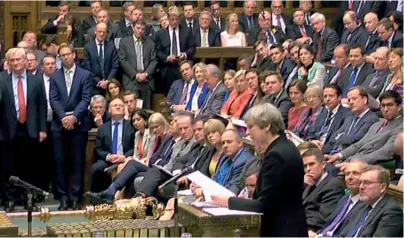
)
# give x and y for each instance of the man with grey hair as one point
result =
(373, 41)
(215, 98)
(98, 106)
(380, 216)
(113, 30)
(125, 24)
(248, 19)
(205, 35)
(324, 39)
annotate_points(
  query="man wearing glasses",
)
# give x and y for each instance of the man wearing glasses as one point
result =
(378, 143)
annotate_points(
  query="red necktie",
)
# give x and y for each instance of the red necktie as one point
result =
(21, 101)
(303, 31)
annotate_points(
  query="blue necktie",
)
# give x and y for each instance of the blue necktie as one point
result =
(360, 222)
(115, 138)
(223, 171)
(351, 82)
(338, 218)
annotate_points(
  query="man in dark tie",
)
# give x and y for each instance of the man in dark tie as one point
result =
(22, 127)
(278, 18)
(373, 41)
(307, 7)
(380, 216)
(180, 90)
(91, 21)
(138, 60)
(341, 57)
(273, 34)
(189, 19)
(248, 19)
(354, 31)
(136, 15)
(299, 31)
(217, 90)
(101, 59)
(374, 82)
(218, 21)
(126, 23)
(279, 62)
(205, 35)
(69, 95)
(389, 37)
(349, 204)
(113, 30)
(325, 39)
(322, 191)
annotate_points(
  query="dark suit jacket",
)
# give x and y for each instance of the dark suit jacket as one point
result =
(233, 175)
(333, 71)
(361, 128)
(175, 92)
(213, 37)
(49, 28)
(113, 32)
(128, 31)
(385, 220)
(339, 118)
(283, 103)
(243, 23)
(125, 31)
(36, 107)
(368, 6)
(252, 37)
(127, 58)
(293, 31)
(359, 35)
(389, 6)
(360, 78)
(159, 157)
(203, 165)
(320, 203)
(330, 41)
(286, 68)
(195, 24)
(103, 142)
(397, 41)
(88, 22)
(278, 193)
(196, 153)
(222, 24)
(92, 64)
(77, 101)
(376, 88)
(374, 42)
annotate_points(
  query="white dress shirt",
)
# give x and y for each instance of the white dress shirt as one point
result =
(72, 71)
(194, 105)
(46, 81)
(97, 43)
(15, 90)
(190, 83)
(275, 22)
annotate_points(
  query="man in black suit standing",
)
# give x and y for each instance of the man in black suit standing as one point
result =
(299, 31)
(354, 31)
(373, 40)
(248, 19)
(69, 96)
(114, 143)
(389, 37)
(324, 39)
(173, 45)
(137, 56)
(380, 216)
(125, 24)
(280, 19)
(52, 25)
(218, 21)
(322, 191)
(22, 125)
(205, 35)
(91, 21)
(101, 59)
(189, 19)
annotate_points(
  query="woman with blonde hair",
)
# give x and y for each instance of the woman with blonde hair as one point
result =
(199, 89)
(232, 36)
(159, 126)
(238, 98)
(157, 13)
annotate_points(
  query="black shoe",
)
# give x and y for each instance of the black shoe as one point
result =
(98, 197)
(63, 205)
(76, 205)
(9, 206)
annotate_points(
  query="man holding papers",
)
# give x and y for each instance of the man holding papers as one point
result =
(279, 187)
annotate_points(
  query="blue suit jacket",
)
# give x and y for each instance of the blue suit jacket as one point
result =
(357, 132)
(339, 118)
(175, 93)
(92, 64)
(234, 174)
(77, 102)
(201, 98)
(159, 155)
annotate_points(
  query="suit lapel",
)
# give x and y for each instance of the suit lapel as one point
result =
(11, 92)
(75, 81)
(317, 188)
(30, 87)
(373, 213)
(108, 136)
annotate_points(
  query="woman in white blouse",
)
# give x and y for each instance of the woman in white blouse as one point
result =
(199, 89)
(232, 36)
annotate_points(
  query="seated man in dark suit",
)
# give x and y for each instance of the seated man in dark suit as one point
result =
(262, 60)
(218, 21)
(113, 30)
(299, 31)
(324, 39)
(355, 74)
(217, 90)
(374, 82)
(341, 57)
(277, 95)
(101, 59)
(349, 204)
(248, 19)
(205, 35)
(98, 106)
(130, 101)
(278, 17)
(138, 60)
(373, 41)
(322, 191)
(354, 31)
(52, 25)
(355, 126)
(125, 24)
(136, 15)
(178, 95)
(108, 149)
(329, 120)
(389, 37)
(380, 216)
(274, 35)
(279, 62)
(189, 20)
(91, 21)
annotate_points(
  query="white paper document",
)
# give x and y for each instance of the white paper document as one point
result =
(186, 192)
(209, 186)
(204, 205)
(222, 211)
(294, 138)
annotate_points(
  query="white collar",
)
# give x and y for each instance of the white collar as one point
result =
(73, 68)
(375, 203)
(363, 113)
(335, 110)
(355, 198)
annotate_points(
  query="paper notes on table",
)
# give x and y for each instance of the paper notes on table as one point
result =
(222, 211)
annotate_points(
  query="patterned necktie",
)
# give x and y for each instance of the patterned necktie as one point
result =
(184, 94)
(115, 138)
(139, 55)
(278, 20)
(69, 80)
(21, 101)
(338, 218)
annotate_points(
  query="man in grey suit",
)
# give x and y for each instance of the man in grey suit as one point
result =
(374, 82)
(380, 216)
(215, 97)
(137, 56)
(378, 143)
(113, 29)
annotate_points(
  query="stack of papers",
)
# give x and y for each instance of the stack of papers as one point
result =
(222, 211)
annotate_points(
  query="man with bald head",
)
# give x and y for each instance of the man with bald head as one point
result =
(374, 82)
(373, 40)
(113, 30)
(101, 58)
(354, 31)
(274, 34)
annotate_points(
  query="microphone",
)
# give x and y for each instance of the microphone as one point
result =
(18, 182)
